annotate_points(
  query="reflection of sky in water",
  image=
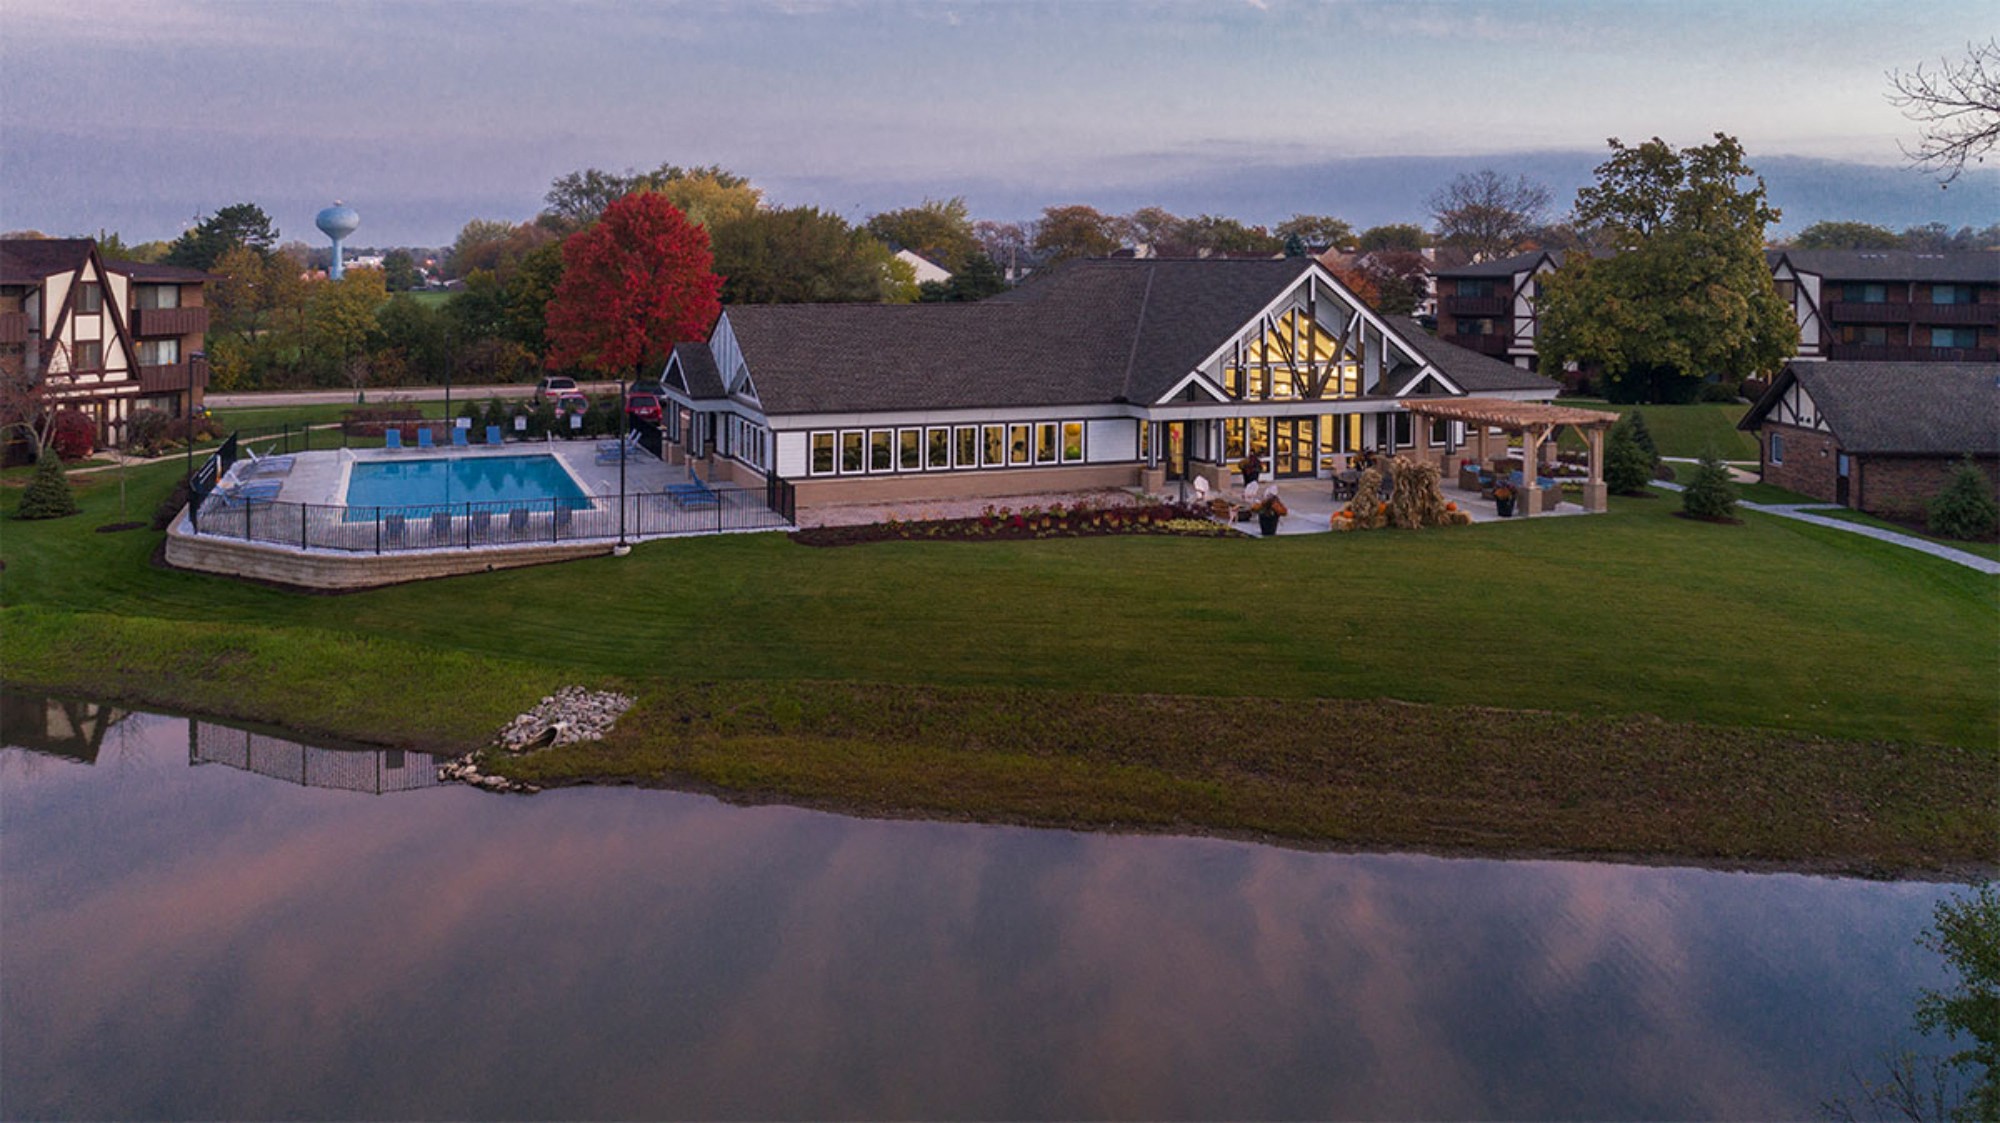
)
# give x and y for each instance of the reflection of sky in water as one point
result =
(209, 942)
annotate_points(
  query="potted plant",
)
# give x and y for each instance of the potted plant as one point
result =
(1503, 499)
(1251, 466)
(1269, 510)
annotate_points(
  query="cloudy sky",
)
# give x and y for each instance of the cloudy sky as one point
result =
(136, 116)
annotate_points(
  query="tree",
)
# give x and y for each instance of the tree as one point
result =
(1965, 507)
(244, 224)
(1005, 242)
(940, 230)
(1395, 236)
(803, 255)
(497, 247)
(1687, 293)
(47, 495)
(420, 332)
(1628, 468)
(1218, 234)
(978, 280)
(1487, 214)
(635, 283)
(1400, 279)
(28, 398)
(1966, 931)
(399, 271)
(1322, 231)
(1155, 226)
(1958, 106)
(341, 319)
(1634, 423)
(1709, 494)
(1845, 236)
(706, 196)
(526, 316)
(1074, 231)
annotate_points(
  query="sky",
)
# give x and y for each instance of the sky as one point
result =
(136, 116)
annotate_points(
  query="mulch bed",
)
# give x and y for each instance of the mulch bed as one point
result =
(113, 528)
(1004, 525)
(1725, 520)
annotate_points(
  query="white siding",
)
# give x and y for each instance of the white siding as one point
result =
(728, 353)
(1110, 441)
(791, 455)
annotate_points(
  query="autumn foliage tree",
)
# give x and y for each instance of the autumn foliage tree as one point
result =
(635, 283)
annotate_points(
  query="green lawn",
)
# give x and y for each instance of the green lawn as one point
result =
(1848, 514)
(271, 417)
(1687, 430)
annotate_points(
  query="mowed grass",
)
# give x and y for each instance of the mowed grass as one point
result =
(1684, 430)
(1770, 624)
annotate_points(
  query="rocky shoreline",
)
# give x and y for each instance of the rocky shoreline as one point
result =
(570, 715)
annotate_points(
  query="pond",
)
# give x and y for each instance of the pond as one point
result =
(204, 922)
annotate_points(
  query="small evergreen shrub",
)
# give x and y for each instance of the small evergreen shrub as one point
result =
(1627, 467)
(47, 495)
(1635, 423)
(163, 515)
(1710, 494)
(1964, 508)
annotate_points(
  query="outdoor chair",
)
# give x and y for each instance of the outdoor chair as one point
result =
(424, 438)
(493, 434)
(1201, 489)
(440, 526)
(268, 465)
(460, 437)
(1343, 484)
(482, 522)
(517, 519)
(392, 437)
(392, 529)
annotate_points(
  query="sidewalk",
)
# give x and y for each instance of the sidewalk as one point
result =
(1803, 512)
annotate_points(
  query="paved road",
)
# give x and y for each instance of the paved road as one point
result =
(262, 398)
(1803, 512)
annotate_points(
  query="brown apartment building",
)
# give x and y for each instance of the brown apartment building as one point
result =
(108, 338)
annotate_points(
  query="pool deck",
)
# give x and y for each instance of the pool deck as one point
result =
(321, 477)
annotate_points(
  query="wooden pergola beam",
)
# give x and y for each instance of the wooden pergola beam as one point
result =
(1536, 422)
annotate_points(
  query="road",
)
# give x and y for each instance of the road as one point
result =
(386, 394)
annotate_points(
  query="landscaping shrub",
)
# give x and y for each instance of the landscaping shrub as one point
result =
(1964, 508)
(163, 515)
(47, 495)
(73, 436)
(1635, 424)
(1710, 494)
(1627, 465)
(146, 432)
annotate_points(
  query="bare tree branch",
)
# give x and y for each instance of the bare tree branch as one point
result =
(1958, 105)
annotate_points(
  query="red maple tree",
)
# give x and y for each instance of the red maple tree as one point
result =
(635, 283)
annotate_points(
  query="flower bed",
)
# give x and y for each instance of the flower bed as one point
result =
(1006, 524)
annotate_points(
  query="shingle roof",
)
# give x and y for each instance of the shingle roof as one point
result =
(25, 261)
(1501, 267)
(1937, 409)
(154, 272)
(698, 368)
(1969, 266)
(1471, 371)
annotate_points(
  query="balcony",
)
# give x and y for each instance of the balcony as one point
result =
(1956, 313)
(1495, 344)
(1856, 312)
(1899, 353)
(156, 322)
(13, 327)
(1475, 306)
(169, 378)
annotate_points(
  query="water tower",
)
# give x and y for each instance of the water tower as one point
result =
(337, 222)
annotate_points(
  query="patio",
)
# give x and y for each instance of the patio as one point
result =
(1312, 505)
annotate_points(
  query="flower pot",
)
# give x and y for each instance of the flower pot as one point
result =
(1505, 507)
(1267, 521)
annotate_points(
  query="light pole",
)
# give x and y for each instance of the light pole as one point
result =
(624, 451)
(187, 411)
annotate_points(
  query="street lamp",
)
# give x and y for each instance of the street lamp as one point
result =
(624, 452)
(187, 411)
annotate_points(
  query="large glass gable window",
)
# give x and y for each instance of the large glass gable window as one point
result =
(1297, 359)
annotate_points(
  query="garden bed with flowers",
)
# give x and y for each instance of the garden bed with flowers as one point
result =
(1009, 524)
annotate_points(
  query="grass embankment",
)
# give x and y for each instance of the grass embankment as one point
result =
(1166, 683)
(1693, 430)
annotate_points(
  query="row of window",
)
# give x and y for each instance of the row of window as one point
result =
(847, 452)
(1879, 336)
(1862, 293)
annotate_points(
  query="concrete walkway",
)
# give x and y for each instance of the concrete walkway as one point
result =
(1803, 512)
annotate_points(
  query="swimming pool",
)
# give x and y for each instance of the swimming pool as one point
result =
(450, 482)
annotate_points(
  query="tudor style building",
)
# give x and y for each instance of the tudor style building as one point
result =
(1879, 437)
(1892, 305)
(1489, 306)
(1103, 373)
(108, 337)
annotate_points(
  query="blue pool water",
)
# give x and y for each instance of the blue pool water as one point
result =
(453, 482)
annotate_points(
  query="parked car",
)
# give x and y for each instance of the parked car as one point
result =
(644, 407)
(571, 401)
(554, 387)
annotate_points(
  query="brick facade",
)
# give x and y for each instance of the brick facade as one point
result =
(1811, 464)
(1903, 486)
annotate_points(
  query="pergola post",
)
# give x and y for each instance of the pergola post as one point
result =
(1531, 465)
(1594, 492)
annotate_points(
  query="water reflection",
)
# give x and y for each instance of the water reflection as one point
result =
(200, 942)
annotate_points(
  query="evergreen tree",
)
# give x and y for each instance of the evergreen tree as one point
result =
(1628, 468)
(1965, 508)
(1710, 494)
(47, 495)
(1635, 422)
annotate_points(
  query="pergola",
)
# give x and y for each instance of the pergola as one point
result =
(1537, 424)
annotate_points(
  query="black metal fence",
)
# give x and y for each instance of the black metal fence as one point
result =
(466, 526)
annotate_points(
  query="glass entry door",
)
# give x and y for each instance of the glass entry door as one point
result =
(1292, 446)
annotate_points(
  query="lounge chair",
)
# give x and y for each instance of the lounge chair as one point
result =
(424, 438)
(440, 525)
(392, 437)
(268, 465)
(460, 437)
(517, 519)
(493, 434)
(693, 494)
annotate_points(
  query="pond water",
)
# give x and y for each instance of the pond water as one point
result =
(201, 922)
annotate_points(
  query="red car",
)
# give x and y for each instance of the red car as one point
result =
(645, 407)
(571, 402)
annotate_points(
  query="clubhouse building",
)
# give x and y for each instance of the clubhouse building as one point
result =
(1105, 373)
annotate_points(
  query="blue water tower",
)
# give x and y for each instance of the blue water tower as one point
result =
(337, 222)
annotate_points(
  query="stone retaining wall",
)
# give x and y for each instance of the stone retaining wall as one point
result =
(324, 569)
